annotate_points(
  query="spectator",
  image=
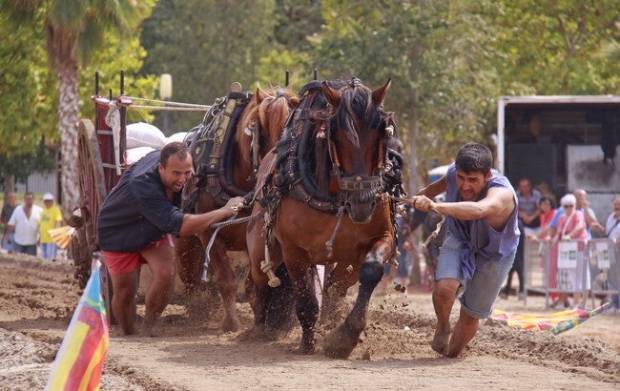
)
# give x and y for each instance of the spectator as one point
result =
(547, 211)
(612, 228)
(7, 210)
(571, 226)
(528, 206)
(584, 205)
(24, 223)
(612, 231)
(50, 218)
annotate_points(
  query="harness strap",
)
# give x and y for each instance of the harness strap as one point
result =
(329, 245)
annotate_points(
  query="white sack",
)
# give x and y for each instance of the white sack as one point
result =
(142, 134)
(134, 154)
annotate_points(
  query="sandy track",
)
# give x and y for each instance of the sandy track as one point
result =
(36, 301)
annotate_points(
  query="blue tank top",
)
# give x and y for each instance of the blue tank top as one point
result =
(477, 237)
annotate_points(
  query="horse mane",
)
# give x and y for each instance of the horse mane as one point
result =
(356, 109)
(271, 114)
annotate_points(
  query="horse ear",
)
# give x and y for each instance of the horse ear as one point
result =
(378, 95)
(260, 95)
(332, 95)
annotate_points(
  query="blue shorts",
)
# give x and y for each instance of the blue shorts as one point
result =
(478, 294)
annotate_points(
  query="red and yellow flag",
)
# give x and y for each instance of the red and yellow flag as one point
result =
(79, 361)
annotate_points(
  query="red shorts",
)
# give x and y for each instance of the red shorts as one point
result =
(127, 262)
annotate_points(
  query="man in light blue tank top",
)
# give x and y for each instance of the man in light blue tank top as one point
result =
(479, 248)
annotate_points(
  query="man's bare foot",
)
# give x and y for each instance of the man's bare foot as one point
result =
(440, 341)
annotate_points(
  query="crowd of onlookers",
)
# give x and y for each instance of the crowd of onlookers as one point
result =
(26, 227)
(574, 219)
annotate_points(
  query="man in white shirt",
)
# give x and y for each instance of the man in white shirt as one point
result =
(24, 222)
(612, 228)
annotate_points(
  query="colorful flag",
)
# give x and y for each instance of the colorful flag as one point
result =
(79, 361)
(557, 322)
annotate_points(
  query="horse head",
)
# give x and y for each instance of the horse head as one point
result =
(262, 122)
(357, 136)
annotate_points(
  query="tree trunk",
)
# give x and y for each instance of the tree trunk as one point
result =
(8, 184)
(68, 117)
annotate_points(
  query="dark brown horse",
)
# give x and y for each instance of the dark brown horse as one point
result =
(325, 201)
(265, 115)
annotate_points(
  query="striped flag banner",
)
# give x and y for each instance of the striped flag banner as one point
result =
(79, 362)
(556, 322)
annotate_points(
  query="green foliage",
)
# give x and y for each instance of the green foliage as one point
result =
(28, 88)
(117, 55)
(22, 164)
(205, 46)
(556, 47)
(26, 92)
(435, 53)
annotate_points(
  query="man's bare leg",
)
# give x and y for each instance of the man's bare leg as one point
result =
(124, 300)
(464, 331)
(160, 260)
(444, 294)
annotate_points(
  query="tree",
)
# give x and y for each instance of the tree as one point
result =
(555, 47)
(73, 31)
(206, 45)
(26, 96)
(436, 54)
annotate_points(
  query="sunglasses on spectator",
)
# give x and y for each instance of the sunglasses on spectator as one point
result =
(568, 206)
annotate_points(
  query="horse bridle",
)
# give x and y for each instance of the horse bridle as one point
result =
(356, 188)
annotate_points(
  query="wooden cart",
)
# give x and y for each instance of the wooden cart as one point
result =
(98, 174)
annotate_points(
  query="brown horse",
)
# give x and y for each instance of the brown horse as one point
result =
(265, 115)
(329, 161)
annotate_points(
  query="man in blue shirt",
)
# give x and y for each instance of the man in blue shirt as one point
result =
(479, 247)
(135, 224)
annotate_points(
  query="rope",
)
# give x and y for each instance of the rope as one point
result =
(163, 108)
(217, 226)
(434, 234)
(169, 103)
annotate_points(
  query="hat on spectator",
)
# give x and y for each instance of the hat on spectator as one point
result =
(48, 197)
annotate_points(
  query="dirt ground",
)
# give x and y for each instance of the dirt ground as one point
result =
(37, 299)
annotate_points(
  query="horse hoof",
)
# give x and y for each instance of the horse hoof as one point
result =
(254, 334)
(230, 325)
(339, 343)
(306, 350)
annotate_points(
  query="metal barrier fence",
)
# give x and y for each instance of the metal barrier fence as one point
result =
(571, 267)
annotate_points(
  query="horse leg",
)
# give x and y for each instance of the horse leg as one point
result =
(341, 342)
(189, 256)
(279, 309)
(337, 282)
(226, 284)
(307, 306)
(261, 292)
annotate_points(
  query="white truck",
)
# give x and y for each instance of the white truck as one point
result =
(562, 143)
